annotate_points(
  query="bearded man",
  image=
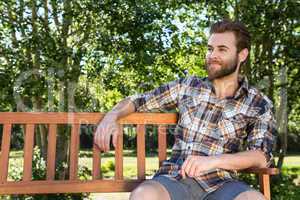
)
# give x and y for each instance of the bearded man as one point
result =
(224, 125)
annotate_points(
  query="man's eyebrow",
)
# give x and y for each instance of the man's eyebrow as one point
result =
(223, 46)
(220, 46)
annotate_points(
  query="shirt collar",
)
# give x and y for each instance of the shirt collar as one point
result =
(242, 90)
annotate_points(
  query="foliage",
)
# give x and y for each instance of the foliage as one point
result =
(284, 186)
(86, 55)
(39, 173)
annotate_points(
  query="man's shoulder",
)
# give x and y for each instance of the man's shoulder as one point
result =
(259, 99)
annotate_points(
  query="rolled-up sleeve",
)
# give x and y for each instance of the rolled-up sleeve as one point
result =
(261, 134)
(163, 97)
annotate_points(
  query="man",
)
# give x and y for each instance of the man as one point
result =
(217, 116)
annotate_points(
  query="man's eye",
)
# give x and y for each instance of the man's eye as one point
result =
(223, 50)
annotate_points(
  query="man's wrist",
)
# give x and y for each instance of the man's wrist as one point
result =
(112, 115)
(218, 161)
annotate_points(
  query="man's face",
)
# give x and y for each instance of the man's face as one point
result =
(221, 57)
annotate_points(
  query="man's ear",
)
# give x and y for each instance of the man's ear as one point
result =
(243, 54)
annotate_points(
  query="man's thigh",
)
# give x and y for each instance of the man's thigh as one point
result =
(230, 191)
(150, 190)
(187, 189)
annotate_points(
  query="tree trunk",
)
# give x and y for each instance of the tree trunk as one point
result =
(282, 116)
(63, 138)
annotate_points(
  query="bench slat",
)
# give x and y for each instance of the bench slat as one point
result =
(28, 151)
(51, 154)
(141, 151)
(83, 118)
(162, 143)
(269, 171)
(43, 187)
(74, 149)
(264, 182)
(5, 145)
(119, 155)
(96, 163)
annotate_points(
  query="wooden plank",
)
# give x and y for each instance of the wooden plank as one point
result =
(264, 182)
(83, 118)
(74, 151)
(51, 154)
(270, 171)
(119, 155)
(162, 143)
(96, 163)
(4, 159)
(141, 153)
(28, 151)
(43, 187)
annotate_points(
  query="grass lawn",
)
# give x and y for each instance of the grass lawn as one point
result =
(291, 161)
(130, 167)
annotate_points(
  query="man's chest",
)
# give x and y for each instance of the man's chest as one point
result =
(217, 119)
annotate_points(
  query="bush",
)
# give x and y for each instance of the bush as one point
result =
(39, 173)
(283, 186)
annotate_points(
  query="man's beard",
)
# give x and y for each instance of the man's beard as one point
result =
(225, 69)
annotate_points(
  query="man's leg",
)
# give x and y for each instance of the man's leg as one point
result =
(250, 195)
(150, 190)
(235, 190)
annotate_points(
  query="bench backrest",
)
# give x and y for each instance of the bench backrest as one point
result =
(73, 185)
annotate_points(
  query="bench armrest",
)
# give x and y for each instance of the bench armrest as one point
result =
(267, 171)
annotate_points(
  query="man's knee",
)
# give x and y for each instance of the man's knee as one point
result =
(149, 190)
(250, 195)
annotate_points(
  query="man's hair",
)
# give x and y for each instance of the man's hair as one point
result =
(241, 33)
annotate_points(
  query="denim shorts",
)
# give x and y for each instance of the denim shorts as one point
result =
(190, 189)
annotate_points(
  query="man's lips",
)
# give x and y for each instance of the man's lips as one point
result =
(214, 63)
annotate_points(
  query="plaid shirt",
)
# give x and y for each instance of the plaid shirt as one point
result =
(209, 126)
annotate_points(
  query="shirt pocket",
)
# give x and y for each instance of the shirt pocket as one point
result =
(187, 109)
(232, 127)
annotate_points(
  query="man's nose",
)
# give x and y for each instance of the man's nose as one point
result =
(213, 54)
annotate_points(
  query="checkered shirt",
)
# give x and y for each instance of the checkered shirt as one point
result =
(208, 126)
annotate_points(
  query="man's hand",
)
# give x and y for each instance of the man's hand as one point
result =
(107, 127)
(193, 166)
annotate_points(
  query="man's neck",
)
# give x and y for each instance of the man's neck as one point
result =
(226, 86)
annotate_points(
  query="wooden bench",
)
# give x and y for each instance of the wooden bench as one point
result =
(73, 185)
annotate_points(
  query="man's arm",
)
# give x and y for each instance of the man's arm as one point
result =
(195, 165)
(108, 126)
(161, 97)
(242, 160)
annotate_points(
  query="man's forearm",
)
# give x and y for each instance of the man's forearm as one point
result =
(108, 125)
(241, 160)
(123, 108)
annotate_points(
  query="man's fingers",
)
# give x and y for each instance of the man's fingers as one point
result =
(103, 134)
(106, 141)
(188, 168)
(97, 138)
(115, 133)
(192, 169)
(115, 139)
(187, 165)
(182, 172)
(197, 171)
(100, 138)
